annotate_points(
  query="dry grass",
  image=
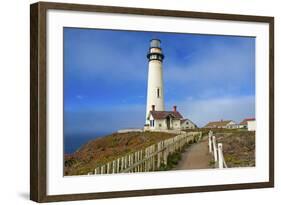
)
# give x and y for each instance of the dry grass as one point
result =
(104, 149)
(238, 148)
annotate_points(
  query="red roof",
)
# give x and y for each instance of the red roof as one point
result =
(244, 122)
(163, 114)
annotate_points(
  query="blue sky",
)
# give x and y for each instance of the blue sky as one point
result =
(208, 77)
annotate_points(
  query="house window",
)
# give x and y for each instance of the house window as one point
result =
(160, 125)
(151, 123)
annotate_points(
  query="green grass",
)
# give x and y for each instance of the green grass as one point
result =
(174, 158)
(212, 163)
(172, 161)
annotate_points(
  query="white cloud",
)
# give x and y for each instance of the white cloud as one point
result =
(200, 111)
(221, 69)
(80, 97)
(228, 108)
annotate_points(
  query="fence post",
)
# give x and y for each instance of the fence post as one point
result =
(141, 165)
(220, 155)
(122, 163)
(108, 167)
(138, 158)
(215, 149)
(165, 156)
(200, 136)
(125, 161)
(153, 157)
(210, 141)
(113, 166)
(118, 165)
(129, 163)
(148, 159)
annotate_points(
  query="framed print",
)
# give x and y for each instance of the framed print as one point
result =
(135, 102)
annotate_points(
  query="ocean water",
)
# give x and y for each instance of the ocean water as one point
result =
(75, 141)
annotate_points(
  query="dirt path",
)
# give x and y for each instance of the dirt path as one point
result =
(195, 157)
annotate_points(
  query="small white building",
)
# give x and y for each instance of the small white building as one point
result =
(229, 124)
(187, 124)
(167, 120)
(251, 125)
(245, 123)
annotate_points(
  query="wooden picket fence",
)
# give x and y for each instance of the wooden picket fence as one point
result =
(150, 158)
(216, 149)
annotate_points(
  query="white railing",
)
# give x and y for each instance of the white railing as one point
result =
(148, 159)
(217, 151)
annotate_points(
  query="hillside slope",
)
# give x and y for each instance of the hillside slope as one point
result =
(107, 148)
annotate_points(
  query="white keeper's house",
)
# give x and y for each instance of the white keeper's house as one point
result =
(156, 116)
(168, 120)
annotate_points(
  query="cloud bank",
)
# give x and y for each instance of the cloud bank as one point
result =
(227, 108)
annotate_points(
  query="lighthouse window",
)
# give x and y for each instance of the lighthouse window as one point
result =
(158, 92)
(153, 57)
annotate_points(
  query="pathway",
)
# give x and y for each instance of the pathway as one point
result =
(195, 157)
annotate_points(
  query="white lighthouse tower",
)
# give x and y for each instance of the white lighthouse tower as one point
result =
(155, 89)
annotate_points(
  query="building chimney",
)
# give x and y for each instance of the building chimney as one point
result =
(153, 107)
(175, 108)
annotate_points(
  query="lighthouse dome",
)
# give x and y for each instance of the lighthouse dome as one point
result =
(155, 43)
